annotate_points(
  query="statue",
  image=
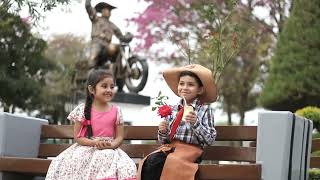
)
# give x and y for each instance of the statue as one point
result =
(102, 31)
(128, 69)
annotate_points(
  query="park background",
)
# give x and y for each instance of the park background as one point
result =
(265, 54)
(274, 46)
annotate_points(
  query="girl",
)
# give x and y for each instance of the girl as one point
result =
(98, 133)
(183, 133)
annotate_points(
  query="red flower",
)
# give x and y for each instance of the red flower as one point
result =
(164, 111)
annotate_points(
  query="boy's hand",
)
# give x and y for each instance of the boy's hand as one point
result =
(163, 127)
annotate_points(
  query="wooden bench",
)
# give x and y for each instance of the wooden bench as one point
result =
(220, 161)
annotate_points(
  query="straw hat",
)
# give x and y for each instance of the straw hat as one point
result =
(209, 95)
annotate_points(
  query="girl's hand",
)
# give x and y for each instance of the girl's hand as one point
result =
(112, 145)
(101, 144)
(163, 127)
(191, 117)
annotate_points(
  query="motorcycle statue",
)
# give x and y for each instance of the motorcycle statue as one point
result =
(131, 70)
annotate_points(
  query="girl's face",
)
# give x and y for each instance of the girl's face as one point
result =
(104, 90)
(189, 88)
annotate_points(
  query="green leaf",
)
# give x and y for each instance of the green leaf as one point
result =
(158, 102)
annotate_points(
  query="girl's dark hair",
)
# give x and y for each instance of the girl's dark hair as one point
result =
(94, 78)
(189, 73)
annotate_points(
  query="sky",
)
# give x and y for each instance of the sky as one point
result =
(74, 20)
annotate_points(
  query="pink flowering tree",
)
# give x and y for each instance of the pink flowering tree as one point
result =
(171, 19)
(198, 30)
(209, 30)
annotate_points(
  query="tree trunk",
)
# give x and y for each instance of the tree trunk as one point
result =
(242, 109)
(229, 113)
(6, 108)
(13, 109)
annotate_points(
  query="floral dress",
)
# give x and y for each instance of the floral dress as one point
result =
(88, 163)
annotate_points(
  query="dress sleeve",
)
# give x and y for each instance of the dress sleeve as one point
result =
(119, 116)
(77, 114)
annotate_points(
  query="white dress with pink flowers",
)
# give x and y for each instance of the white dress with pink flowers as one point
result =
(88, 163)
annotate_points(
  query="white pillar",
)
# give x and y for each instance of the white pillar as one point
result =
(283, 145)
(19, 137)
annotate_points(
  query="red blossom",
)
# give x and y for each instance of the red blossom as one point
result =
(164, 111)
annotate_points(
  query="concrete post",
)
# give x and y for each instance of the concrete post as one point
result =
(19, 137)
(283, 145)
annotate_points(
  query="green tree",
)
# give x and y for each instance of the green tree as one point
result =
(64, 51)
(252, 42)
(35, 8)
(294, 78)
(22, 64)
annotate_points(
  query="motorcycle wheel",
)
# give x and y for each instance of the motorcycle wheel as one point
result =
(137, 79)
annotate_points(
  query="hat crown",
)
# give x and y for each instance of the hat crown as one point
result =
(172, 75)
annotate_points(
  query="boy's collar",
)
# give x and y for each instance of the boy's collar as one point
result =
(193, 104)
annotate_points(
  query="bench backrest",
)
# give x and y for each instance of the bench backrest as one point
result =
(315, 159)
(135, 149)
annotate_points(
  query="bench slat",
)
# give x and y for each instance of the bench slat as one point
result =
(230, 172)
(236, 133)
(24, 165)
(221, 153)
(225, 133)
(315, 145)
(57, 131)
(206, 172)
(314, 162)
(230, 153)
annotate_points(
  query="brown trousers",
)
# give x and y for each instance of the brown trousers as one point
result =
(180, 164)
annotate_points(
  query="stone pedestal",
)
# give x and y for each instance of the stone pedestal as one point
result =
(130, 98)
(132, 106)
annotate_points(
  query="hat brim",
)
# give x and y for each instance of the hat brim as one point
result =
(209, 95)
(103, 5)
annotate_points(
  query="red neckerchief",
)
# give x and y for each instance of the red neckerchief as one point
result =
(176, 123)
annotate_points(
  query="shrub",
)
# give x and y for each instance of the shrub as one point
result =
(312, 113)
(314, 174)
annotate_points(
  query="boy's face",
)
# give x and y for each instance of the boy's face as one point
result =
(105, 12)
(189, 88)
(104, 90)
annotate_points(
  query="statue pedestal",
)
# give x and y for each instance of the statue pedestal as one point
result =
(130, 98)
(132, 106)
